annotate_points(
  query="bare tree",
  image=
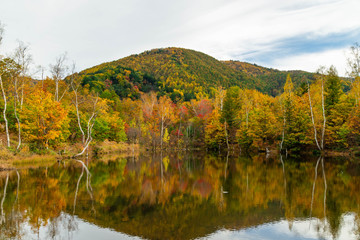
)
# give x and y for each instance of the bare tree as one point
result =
(8, 68)
(353, 61)
(15, 79)
(90, 124)
(2, 71)
(1, 32)
(4, 111)
(58, 71)
(281, 102)
(23, 59)
(322, 140)
(75, 87)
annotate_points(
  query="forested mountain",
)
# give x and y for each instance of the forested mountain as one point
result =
(179, 73)
(184, 74)
(145, 99)
(271, 80)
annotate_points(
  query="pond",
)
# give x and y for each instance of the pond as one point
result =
(187, 195)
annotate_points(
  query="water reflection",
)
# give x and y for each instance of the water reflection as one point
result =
(183, 196)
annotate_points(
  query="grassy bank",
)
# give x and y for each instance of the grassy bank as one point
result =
(10, 158)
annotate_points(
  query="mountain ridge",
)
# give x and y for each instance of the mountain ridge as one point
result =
(184, 74)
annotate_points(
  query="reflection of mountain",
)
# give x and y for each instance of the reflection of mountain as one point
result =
(188, 198)
(188, 221)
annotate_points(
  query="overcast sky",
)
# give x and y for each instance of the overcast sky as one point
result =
(283, 34)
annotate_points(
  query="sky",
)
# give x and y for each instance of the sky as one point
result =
(282, 34)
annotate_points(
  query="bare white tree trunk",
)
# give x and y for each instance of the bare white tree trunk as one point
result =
(22, 96)
(78, 114)
(284, 125)
(282, 136)
(353, 61)
(75, 87)
(78, 117)
(226, 135)
(4, 112)
(58, 71)
(16, 98)
(90, 126)
(323, 111)
(23, 58)
(312, 119)
(56, 95)
(88, 140)
(19, 126)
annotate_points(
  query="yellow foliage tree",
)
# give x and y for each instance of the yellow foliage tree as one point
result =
(45, 121)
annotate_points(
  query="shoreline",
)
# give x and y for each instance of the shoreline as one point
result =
(11, 161)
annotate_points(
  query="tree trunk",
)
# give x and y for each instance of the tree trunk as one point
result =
(78, 116)
(324, 118)
(282, 135)
(22, 95)
(56, 90)
(16, 98)
(312, 119)
(19, 126)
(4, 113)
(162, 133)
(226, 135)
(88, 140)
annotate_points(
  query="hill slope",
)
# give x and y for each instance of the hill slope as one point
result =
(183, 74)
(180, 73)
(272, 80)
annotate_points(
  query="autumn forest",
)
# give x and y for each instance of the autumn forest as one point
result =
(175, 99)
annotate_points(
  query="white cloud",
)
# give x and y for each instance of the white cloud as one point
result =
(96, 31)
(312, 61)
(300, 229)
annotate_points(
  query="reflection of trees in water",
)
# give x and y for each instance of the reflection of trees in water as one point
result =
(320, 226)
(77, 188)
(68, 221)
(313, 188)
(284, 176)
(182, 192)
(88, 185)
(10, 223)
(2, 217)
(331, 210)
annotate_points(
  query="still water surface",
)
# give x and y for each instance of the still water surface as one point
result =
(183, 196)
